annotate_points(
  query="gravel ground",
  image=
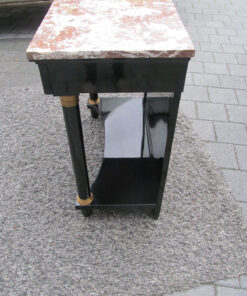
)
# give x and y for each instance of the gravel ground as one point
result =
(49, 248)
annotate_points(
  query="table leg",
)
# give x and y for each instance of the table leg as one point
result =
(72, 120)
(173, 112)
(93, 104)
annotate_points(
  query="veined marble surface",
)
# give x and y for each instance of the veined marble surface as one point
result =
(92, 29)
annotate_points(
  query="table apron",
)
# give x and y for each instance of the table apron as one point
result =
(70, 77)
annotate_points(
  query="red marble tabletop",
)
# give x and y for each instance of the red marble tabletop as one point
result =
(92, 29)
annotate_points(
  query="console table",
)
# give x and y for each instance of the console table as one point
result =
(112, 46)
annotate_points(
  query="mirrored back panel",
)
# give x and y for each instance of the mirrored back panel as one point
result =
(136, 131)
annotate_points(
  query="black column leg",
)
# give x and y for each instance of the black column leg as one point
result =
(93, 104)
(173, 112)
(72, 120)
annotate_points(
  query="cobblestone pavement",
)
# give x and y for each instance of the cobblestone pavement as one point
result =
(215, 95)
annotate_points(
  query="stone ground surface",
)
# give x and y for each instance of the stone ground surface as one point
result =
(215, 95)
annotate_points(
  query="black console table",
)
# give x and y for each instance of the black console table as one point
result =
(138, 131)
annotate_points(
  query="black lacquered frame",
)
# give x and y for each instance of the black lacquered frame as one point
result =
(72, 77)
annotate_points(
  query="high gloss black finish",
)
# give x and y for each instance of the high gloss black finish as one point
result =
(173, 111)
(135, 127)
(136, 160)
(128, 182)
(66, 77)
(94, 108)
(75, 137)
(135, 163)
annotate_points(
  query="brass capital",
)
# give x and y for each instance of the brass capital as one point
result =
(69, 101)
(85, 202)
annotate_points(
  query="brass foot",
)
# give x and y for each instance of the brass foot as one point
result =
(85, 202)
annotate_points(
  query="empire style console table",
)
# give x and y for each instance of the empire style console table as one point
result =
(112, 46)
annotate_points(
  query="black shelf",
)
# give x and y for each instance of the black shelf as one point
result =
(135, 142)
(127, 182)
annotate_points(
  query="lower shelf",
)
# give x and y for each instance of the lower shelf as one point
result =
(132, 182)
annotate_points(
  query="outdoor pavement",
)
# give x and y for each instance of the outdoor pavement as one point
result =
(215, 95)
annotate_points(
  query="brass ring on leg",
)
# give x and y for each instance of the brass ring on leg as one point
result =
(69, 101)
(85, 202)
(93, 102)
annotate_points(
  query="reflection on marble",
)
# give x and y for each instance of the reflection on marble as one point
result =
(88, 29)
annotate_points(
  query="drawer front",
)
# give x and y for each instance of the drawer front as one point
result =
(67, 77)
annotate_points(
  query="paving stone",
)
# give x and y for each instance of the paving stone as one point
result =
(204, 129)
(234, 133)
(214, 24)
(222, 95)
(211, 10)
(223, 155)
(242, 97)
(242, 59)
(189, 79)
(18, 67)
(229, 283)
(200, 16)
(199, 37)
(215, 68)
(7, 35)
(9, 67)
(224, 291)
(196, 45)
(232, 48)
(206, 79)
(203, 56)
(18, 79)
(12, 56)
(242, 157)
(195, 93)
(211, 47)
(234, 82)
(237, 40)
(8, 44)
(232, 25)
(191, 29)
(206, 30)
(210, 111)
(242, 11)
(238, 70)
(243, 278)
(226, 11)
(195, 67)
(194, 10)
(237, 113)
(221, 17)
(219, 39)
(225, 58)
(201, 291)
(23, 43)
(196, 23)
(239, 19)
(188, 108)
(242, 32)
(237, 183)
(186, 17)
(227, 32)
(245, 48)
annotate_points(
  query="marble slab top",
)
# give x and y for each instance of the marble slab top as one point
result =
(95, 29)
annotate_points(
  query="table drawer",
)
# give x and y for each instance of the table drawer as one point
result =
(66, 77)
